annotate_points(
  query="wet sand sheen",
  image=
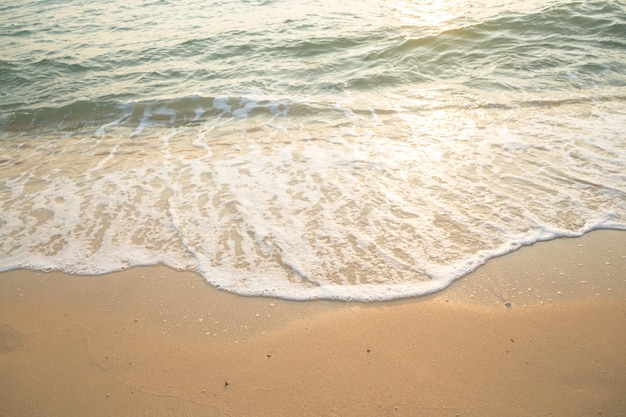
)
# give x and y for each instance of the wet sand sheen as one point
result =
(159, 342)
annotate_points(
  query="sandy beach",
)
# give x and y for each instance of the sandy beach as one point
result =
(539, 332)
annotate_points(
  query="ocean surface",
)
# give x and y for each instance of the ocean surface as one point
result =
(356, 150)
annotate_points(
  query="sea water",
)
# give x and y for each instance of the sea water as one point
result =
(361, 150)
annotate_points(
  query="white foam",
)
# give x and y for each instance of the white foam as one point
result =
(333, 202)
(221, 103)
(127, 111)
(165, 111)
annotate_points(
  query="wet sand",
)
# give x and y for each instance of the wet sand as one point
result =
(538, 332)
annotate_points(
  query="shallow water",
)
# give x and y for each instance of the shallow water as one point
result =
(361, 150)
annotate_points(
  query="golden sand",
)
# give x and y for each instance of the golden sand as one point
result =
(538, 332)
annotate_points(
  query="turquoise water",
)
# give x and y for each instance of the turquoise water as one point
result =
(314, 149)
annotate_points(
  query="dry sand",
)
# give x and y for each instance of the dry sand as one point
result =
(540, 332)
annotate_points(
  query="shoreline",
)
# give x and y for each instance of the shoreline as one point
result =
(537, 332)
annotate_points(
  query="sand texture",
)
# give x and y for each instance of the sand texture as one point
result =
(541, 332)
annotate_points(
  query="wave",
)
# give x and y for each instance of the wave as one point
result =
(559, 46)
(159, 112)
(331, 150)
(195, 109)
(580, 38)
